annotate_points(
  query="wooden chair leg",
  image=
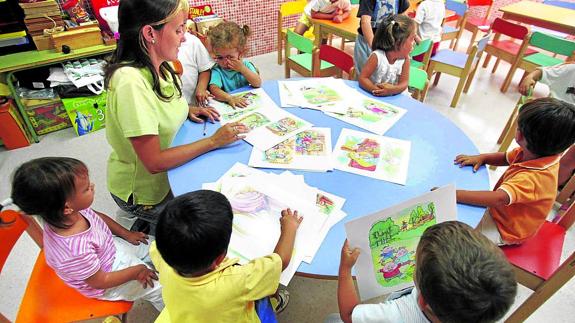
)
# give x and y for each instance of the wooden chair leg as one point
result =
(280, 50)
(470, 77)
(424, 92)
(458, 92)
(507, 126)
(495, 66)
(508, 78)
(507, 138)
(452, 43)
(456, 43)
(437, 75)
(287, 69)
(472, 41)
(486, 62)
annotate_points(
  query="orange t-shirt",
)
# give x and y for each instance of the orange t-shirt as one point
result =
(532, 188)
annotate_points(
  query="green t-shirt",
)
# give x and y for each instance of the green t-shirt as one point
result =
(134, 110)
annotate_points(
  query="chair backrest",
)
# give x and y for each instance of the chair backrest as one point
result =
(354, 1)
(421, 48)
(478, 3)
(417, 78)
(460, 8)
(508, 28)
(476, 51)
(10, 232)
(337, 57)
(292, 7)
(299, 42)
(552, 43)
(562, 4)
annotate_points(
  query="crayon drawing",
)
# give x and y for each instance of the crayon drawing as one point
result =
(319, 94)
(254, 120)
(282, 153)
(393, 243)
(284, 126)
(255, 99)
(310, 143)
(324, 203)
(373, 156)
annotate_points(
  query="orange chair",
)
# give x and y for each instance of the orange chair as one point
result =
(340, 59)
(477, 24)
(507, 49)
(47, 298)
(537, 264)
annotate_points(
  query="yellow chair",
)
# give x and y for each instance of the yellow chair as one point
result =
(302, 63)
(457, 64)
(289, 9)
(47, 298)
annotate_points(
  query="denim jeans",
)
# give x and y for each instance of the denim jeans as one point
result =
(146, 214)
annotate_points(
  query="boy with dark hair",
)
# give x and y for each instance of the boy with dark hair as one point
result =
(201, 284)
(524, 195)
(460, 276)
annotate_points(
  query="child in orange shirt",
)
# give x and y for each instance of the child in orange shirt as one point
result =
(524, 195)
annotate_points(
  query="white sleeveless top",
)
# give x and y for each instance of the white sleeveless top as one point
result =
(386, 72)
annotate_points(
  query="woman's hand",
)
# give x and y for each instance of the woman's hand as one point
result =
(229, 133)
(208, 112)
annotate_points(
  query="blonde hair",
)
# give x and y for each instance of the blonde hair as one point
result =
(229, 35)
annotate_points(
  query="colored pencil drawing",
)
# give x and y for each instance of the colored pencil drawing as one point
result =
(281, 153)
(284, 126)
(320, 94)
(254, 99)
(360, 153)
(254, 120)
(372, 111)
(325, 204)
(393, 243)
(310, 143)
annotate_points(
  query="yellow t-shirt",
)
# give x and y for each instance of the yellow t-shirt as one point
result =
(226, 294)
(532, 187)
(134, 110)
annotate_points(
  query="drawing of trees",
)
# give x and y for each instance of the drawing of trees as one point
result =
(383, 232)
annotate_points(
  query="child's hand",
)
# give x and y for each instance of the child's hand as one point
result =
(210, 113)
(229, 133)
(136, 237)
(383, 89)
(146, 276)
(348, 256)
(463, 160)
(290, 220)
(202, 97)
(527, 83)
(337, 18)
(236, 64)
(235, 101)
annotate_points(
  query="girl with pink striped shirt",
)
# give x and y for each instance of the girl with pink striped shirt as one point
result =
(88, 250)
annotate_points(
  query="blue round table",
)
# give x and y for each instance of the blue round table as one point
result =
(435, 141)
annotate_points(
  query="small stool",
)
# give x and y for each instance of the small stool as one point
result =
(12, 131)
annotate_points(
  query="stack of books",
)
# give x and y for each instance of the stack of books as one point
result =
(13, 36)
(41, 15)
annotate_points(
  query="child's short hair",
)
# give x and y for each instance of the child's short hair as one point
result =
(193, 230)
(42, 186)
(548, 125)
(229, 35)
(463, 276)
(392, 32)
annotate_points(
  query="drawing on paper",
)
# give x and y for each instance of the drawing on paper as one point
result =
(393, 243)
(281, 153)
(325, 204)
(284, 126)
(310, 143)
(320, 94)
(360, 153)
(254, 101)
(254, 120)
(372, 111)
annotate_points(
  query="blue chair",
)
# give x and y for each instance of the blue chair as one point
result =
(458, 64)
(453, 33)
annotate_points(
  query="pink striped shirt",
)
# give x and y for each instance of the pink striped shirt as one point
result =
(77, 257)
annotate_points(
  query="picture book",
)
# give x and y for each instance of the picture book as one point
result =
(326, 94)
(388, 240)
(256, 98)
(371, 155)
(307, 150)
(370, 114)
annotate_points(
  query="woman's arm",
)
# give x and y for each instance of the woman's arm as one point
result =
(365, 24)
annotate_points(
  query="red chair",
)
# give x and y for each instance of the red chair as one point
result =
(537, 264)
(340, 59)
(508, 49)
(477, 24)
(47, 298)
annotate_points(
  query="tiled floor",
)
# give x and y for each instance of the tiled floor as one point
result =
(481, 114)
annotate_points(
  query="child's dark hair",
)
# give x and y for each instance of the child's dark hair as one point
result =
(42, 186)
(229, 35)
(548, 125)
(463, 276)
(193, 230)
(392, 32)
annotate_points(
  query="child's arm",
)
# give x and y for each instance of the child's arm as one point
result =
(368, 69)
(105, 280)
(340, 17)
(252, 77)
(321, 15)
(385, 89)
(347, 298)
(496, 159)
(289, 224)
(132, 237)
(222, 96)
(483, 198)
(202, 94)
(530, 80)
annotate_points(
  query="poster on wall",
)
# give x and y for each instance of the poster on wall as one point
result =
(388, 240)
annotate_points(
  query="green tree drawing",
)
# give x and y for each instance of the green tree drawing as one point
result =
(431, 208)
(382, 232)
(413, 217)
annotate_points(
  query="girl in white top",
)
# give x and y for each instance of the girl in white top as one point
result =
(387, 69)
(429, 18)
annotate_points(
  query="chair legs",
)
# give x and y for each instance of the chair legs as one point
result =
(495, 65)
(287, 69)
(458, 91)
(486, 62)
(507, 135)
(471, 76)
(280, 50)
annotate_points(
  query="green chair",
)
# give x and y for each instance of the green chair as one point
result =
(549, 43)
(418, 80)
(424, 47)
(302, 63)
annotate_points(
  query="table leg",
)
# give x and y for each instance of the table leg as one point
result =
(20, 107)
